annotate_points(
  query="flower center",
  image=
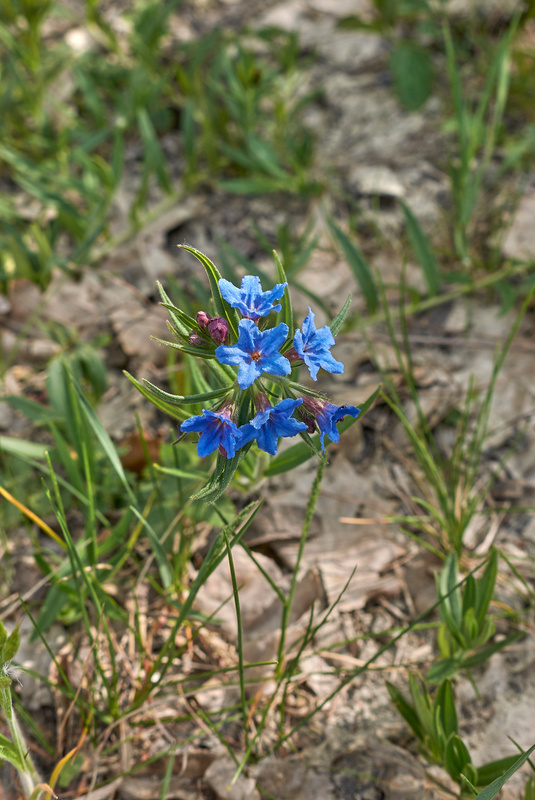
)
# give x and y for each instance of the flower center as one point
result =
(256, 356)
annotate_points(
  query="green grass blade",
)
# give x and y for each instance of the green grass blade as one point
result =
(286, 313)
(23, 448)
(492, 790)
(339, 320)
(105, 441)
(176, 399)
(168, 408)
(358, 266)
(214, 276)
(423, 251)
(239, 643)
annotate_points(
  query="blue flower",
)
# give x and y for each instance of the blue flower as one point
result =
(256, 352)
(313, 347)
(272, 422)
(327, 415)
(250, 300)
(217, 431)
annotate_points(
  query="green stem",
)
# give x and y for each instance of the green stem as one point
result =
(29, 777)
(287, 608)
(241, 670)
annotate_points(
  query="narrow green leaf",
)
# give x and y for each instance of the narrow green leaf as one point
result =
(412, 70)
(177, 400)
(457, 758)
(423, 251)
(166, 407)
(358, 266)
(443, 669)
(9, 752)
(214, 276)
(214, 489)
(469, 595)
(175, 313)
(104, 439)
(338, 321)
(286, 313)
(492, 790)
(483, 655)
(37, 412)
(191, 350)
(485, 587)
(446, 701)
(406, 710)
(488, 772)
(23, 448)
(11, 646)
(166, 574)
(422, 704)
(253, 186)
(451, 607)
(188, 323)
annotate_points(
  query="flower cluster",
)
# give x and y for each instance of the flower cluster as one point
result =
(257, 399)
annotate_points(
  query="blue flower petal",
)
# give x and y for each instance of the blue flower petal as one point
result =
(248, 372)
(216, 429)
(231, 293)
(313, 347)
(267, 439)
(272, 422)
(250, 300)
(327, 419)
(275, 365)
(256, 352)
(274, 338)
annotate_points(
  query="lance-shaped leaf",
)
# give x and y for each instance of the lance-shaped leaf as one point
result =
(338, 321)
(214, 276)
(164, 406)
(286, 313)
(178, 400)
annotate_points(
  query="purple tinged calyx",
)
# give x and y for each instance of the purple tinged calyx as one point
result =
(327, 415)
(217, 327)
(197, 340)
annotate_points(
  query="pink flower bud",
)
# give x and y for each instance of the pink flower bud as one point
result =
(203, 319)
(292, 355)
(196, 340)
(218, 329)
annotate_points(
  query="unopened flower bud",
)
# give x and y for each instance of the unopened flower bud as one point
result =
(314, 405)
(261, 402)
(203, 319)
(218, 329)
(308, 419)
(196, 340)
(292, 355)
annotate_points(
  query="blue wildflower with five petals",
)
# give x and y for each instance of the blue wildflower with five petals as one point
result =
(256, 352)
(313, 347)
(327, 415)
(217, 431)
(272, 422)
(250, 300)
